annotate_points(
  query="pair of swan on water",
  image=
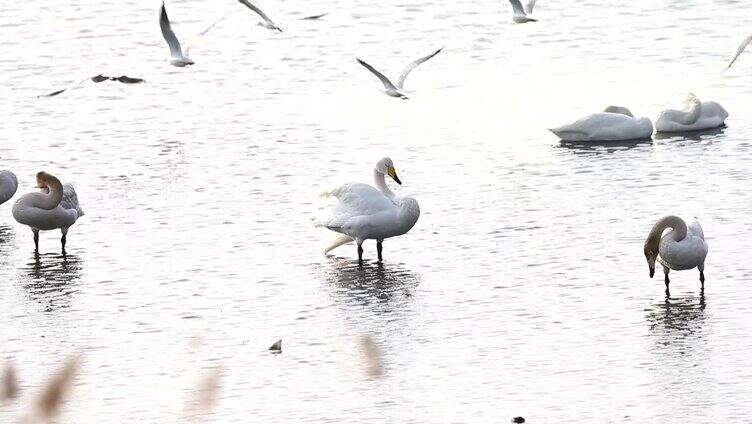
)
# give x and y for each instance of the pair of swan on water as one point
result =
(364, 212)
(618, 124)
(55, 206)
(682, 247)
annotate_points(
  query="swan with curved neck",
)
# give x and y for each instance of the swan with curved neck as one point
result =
(697, 115)
(681, 248)
(55, 206)
(615, 123)
(365, 212)
(8, 185)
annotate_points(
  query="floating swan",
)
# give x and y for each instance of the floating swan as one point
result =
(698, 116)
(365, 212)
(176, 52)
(521, 15)
(55, 206)
(8, 185)
(681, 248)
(397, 90)
(615, 123)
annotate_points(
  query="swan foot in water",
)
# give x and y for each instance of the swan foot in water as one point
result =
(378, 249)
(665, 276)
(62, 241)
(702, 274)
(360, 255)
(36, 239)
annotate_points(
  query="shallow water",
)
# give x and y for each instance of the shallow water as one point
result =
(522, 290)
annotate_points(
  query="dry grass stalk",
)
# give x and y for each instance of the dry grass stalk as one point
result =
(373, 358)
(9, 389)
(56, 390)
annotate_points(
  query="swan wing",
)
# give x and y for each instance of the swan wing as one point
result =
(384, 80)
(172, 41)
(685, 254)
(412, 65)
(695, 229)
(70, 199)
(357, 200)
(739, 50)
(258, 11)
(517, 7)
(530, 6)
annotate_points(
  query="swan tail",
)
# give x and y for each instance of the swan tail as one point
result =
(70, 200)
(338, 241)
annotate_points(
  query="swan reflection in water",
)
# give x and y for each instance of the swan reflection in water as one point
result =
(603, 147)
(371, 283)
(677, 323)
(698, 135)
(50, 279)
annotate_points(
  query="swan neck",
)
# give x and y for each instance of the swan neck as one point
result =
(678, 226)
(54, 195)
(380, 183)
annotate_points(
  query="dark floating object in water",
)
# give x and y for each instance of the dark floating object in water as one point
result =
(277, 346)
(314, 17)
(99, 78)
(518, 420)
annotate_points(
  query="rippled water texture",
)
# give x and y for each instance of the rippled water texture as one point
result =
(522, 290)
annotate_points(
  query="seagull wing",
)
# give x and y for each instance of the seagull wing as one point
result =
(739, 50)
(169, 36)
(71, 85)
(310, 18)
(198, 36)
(258, 11)
(413, 65)
(530, 6)
(517, 6)
(384, 80)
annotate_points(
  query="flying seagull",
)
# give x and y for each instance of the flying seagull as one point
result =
(397, 90)
(739, 50)
(314, 17)
(521, 15)
(176, 53)
(98, 78)
(268, 23)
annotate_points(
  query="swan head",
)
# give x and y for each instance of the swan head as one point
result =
(651, 254)
(386, 167)
(44, 179)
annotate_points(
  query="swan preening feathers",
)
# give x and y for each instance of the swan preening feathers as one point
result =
(682, 247)
(697, 116)
(55, 206)
(397, 90)
(364, 212)
(614, 124)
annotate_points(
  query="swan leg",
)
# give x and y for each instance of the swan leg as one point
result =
(379, 248)
(36, 239)
(665, 276)
(63, 239)
(360, 254)
(701, 267)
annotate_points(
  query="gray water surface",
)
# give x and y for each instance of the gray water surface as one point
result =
(522, 290)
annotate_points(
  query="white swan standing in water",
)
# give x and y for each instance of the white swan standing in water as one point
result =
(681, 248)
(55, 206)
(365, 212)
(615, 123)
(697, 116)
(8, 185)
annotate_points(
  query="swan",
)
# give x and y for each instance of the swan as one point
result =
(397, 90)
(8, 185)
(55, 206)
(177, 58)
(681, 248)
(698, 116)
(522, 15)
(365, 212)
(615, 123)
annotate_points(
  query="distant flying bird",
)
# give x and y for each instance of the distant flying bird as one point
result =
(268, 23)
(314, 17)
(739, 50)
(176, 53)
(397, 90)
(97, 78)
(521, 14)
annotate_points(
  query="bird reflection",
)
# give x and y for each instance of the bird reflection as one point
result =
(50, 279)
(691, 135)
(677, 322)
(371, 283)
(602, 147)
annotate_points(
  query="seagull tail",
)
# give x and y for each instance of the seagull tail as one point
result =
(338, 241)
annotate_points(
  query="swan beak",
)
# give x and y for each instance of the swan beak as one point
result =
(652, 272)
(393, 173)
